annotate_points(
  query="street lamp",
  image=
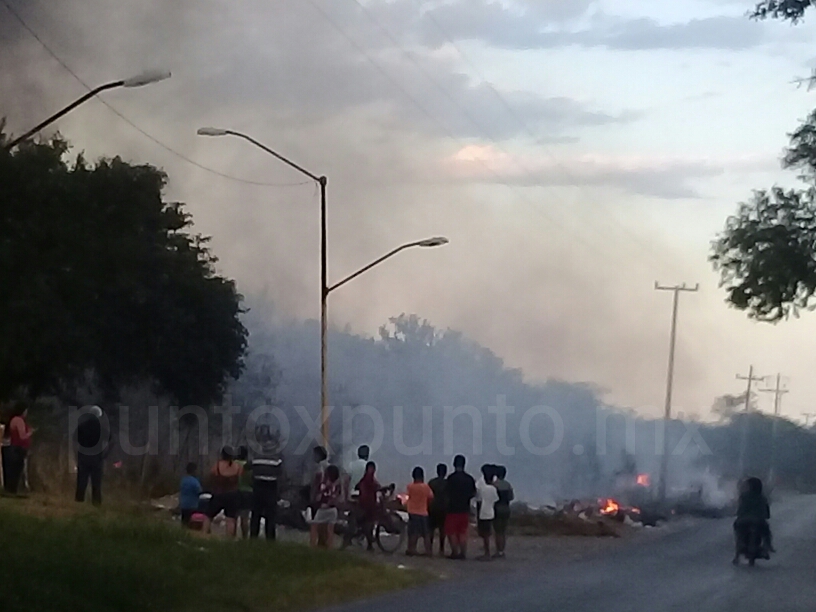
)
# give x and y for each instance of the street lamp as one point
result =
(140, 80)
(427, 243)
(325, 289)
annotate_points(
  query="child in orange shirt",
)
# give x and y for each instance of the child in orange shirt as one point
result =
(419, 497)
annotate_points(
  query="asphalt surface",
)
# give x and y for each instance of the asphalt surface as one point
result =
(689, 571)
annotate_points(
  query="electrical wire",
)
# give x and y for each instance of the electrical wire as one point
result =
(522, 123)
(119, 114)
(499, 179)
(633, 238)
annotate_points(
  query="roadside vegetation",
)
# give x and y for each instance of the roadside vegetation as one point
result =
(61, 557)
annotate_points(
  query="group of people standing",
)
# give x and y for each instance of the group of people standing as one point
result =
(443, 507)
(244, 489)
(439, 508)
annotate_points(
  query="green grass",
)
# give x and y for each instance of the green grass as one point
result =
(113, 561)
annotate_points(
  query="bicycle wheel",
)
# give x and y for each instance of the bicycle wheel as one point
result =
(390, 533)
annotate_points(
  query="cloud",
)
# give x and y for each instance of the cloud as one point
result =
(500, 25)
(666, 178)
(304, 60)
(722, 33)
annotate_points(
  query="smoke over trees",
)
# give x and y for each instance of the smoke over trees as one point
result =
(418, 395)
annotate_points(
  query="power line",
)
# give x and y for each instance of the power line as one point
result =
(150, 137)
(744, 444)
(589, 245)
(523, 124)
(778, 392)
(530, 132)
(634, 237)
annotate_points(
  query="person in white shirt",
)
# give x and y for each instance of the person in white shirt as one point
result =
(486, 498)
(355, 470)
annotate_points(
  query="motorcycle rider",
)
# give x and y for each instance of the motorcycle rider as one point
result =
(753, 509)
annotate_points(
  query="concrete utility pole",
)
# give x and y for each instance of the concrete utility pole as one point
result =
(664, 463)
(778, 392)
(744, 445)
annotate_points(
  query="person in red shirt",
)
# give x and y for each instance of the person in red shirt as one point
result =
(224, 477)
(419, 498)
(20, 442)
(367, 501)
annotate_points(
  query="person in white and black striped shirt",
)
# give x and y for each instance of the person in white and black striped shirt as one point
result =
(267, 469)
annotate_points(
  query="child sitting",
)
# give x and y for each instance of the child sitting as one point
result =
(189, 492)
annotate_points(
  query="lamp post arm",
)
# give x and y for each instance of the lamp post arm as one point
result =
(288, 162)
(376, 262)
(63, 112)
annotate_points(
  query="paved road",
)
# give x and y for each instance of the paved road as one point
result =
(688, 571)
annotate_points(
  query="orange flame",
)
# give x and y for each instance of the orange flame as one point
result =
(609, 506)
(643, 480)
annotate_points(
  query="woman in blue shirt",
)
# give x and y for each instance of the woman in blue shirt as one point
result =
(189, 493)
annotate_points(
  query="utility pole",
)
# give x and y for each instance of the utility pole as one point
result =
(664, 463)
(778, 392)
(744, 445)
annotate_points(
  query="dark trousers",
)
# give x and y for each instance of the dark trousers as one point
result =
(264, 504)
(741, 527)
(14, 465)
(89, 467)
(353, 525)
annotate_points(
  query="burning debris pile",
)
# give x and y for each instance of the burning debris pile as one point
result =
(614, 510)
(605, 517)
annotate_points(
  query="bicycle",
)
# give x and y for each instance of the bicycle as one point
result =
(390, 523)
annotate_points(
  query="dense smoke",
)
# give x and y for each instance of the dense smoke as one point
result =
(418, 395)
(532, 269)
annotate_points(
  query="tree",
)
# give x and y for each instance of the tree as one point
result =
(727, 406)
(788, 10)
(100, 273)
(765, 256)
(409, 330)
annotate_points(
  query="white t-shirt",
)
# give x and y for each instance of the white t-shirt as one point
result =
(486, 496)
(356, 471)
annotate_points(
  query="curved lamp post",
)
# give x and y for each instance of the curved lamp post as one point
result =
(325, 288)
(146, 78)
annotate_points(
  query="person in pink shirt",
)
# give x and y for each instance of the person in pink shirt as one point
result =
(20, 434)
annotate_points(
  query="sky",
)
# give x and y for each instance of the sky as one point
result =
(574, 152)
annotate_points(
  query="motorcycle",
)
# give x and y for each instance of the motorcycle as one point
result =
(751, 545)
